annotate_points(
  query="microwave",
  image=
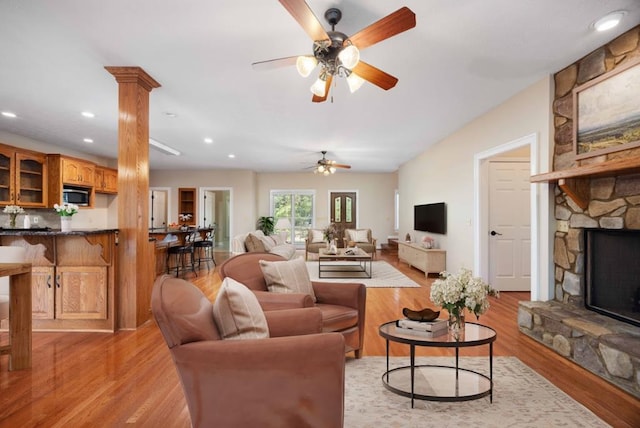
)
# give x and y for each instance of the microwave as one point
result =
(76, 196)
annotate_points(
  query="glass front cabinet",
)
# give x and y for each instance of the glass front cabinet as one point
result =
(23, 178)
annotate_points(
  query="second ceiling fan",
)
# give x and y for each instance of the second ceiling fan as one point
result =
(337, 54)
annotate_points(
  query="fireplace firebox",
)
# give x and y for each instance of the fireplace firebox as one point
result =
(612, 273)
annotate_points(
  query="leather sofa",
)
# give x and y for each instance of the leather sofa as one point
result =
(293, 378)
(342, 304)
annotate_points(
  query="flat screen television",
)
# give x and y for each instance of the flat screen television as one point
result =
(430, 218)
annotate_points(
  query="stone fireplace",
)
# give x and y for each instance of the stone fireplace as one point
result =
(599, 193)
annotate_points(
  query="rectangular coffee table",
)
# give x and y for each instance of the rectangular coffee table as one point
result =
(357, 261)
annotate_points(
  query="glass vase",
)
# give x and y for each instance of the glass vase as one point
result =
(456, 323)
(12, 220)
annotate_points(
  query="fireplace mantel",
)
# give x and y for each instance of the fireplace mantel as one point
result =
(575, 182)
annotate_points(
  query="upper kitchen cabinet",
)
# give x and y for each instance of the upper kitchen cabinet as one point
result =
(77, 172)
(106, 180)
(23, 177)
(70, 173)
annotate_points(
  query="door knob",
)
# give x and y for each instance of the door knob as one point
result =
(494, 233)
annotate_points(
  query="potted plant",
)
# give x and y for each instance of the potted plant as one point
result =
(266, 224)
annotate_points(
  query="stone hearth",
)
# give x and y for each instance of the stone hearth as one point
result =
(602, 345)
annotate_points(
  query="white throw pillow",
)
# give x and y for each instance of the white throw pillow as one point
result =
(317, 236)
(237, 312)
(268, 242)
(289, 276)
(361, 235)
(277, 239)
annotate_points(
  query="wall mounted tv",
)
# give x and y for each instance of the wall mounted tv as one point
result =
(430, 218)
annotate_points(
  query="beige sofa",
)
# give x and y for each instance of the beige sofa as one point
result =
(273, 244)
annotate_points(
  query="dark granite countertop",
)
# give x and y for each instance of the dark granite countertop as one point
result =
(46, 231)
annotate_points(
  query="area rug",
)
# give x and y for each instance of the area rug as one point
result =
(384, 275)
(521, 398)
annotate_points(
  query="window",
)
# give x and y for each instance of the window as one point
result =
(298, 207)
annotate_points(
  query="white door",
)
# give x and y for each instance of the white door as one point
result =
(509, 225)
(158, 208)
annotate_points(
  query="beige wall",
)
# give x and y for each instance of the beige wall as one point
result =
(243, 193)
(445, 171)
(375, 196)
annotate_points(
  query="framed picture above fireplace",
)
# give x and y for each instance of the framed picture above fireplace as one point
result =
(606, 112)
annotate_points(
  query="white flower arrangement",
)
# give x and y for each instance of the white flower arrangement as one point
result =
(455, 292)
(66, 210)
(185, 217)
(13, 209)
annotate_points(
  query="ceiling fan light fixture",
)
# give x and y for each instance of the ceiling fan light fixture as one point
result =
(319, 87)
(349, 56)
(305, 65)
(354, 81)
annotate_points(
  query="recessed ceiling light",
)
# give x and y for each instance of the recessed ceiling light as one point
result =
(88, 114)
(8, 114)
(88, 140)
(231, 156)
(609, 21)
(208, 140)
(168, 113)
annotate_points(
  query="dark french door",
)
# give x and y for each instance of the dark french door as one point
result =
(343, 212)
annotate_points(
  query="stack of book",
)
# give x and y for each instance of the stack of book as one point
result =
(423, 328)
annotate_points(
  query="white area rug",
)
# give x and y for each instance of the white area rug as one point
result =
(521, 398)
(384, 275)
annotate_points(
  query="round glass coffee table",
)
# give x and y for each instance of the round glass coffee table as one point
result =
(436, 382)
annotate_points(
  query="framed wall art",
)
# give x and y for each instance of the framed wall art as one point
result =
(606, 112)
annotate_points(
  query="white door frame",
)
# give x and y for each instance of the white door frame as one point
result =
(201, 191)
(542, 281)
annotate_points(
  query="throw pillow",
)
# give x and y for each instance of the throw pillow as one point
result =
(289, 276)
(277, 239)
(268, 242)
(237, 312)
(360, 235)
(317, 236)
(254, 244)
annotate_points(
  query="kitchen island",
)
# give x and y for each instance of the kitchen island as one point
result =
(73, 277)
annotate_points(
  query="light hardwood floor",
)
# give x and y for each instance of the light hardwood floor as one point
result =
(128, 378)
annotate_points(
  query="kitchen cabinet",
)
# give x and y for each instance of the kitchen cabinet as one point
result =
(72, 278)
(78, 172)
(427, 260)
(106, 180)
(68, 172)
(23, 178)
(187, 205)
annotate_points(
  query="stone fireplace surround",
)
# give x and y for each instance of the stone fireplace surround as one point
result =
(607, 347)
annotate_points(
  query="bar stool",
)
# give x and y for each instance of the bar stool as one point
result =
(205, 246)
(180, 254)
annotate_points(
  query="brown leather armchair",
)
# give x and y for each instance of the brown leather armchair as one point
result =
(293, 378)
(342, 304)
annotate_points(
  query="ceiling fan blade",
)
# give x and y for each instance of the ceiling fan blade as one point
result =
(274, 63)
(339, 165)
(302, 13)
(401, 20)
(327, 86)
(375, 75)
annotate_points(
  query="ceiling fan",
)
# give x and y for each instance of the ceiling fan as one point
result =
(326, 167)
(338, 54)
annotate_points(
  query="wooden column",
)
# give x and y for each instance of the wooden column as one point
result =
(134, 260)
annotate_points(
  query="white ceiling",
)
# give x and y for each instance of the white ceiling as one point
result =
(463, 58)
